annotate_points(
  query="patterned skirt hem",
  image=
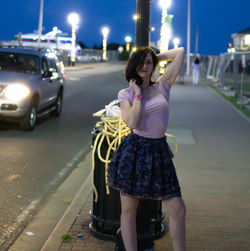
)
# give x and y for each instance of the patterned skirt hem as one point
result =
(141, 197)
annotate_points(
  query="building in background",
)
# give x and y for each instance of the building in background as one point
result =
(54, 39)
(241, 40)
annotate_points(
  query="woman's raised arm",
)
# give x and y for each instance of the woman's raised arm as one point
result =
(177, 58)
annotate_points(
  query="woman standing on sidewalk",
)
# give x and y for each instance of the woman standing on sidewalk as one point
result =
(142, 167)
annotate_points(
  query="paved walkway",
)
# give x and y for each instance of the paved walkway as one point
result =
(213, 165)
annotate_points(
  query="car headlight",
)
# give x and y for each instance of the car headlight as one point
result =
(17, 92)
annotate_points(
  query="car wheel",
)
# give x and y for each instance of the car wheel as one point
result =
(29, 121)
(58, 105)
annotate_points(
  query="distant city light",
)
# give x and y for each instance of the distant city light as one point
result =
(120, 49)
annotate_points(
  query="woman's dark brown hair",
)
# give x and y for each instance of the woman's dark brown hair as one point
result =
(136, 62)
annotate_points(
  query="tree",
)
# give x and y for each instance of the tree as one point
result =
(113, 46)
(95, 47)
(82, 45)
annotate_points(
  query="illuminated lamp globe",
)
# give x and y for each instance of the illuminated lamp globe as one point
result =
(73, 18)
(165, 4)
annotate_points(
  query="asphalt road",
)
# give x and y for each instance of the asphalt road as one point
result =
(33, 164)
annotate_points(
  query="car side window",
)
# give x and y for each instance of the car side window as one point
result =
(45, 66)
(52, 65)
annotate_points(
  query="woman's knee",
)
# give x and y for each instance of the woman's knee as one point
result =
(129, 206)
(182, 210)
(176, 207)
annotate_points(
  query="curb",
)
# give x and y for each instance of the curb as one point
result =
(55, 241)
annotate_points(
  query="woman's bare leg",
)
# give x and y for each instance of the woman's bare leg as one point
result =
(128, 222)
(176, 211)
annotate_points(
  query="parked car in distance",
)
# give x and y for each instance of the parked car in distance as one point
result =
(31, 85)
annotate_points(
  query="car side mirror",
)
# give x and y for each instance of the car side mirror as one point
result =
(47, 74)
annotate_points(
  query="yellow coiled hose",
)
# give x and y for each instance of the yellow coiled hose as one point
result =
(114, 130)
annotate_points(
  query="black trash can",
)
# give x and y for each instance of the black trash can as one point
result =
(105, 213)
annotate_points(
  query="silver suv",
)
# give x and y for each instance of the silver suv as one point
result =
(31, 85)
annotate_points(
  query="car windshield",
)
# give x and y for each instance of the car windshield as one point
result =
(17, 62)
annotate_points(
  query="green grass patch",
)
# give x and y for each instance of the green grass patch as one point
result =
(66, 236)
(231, 99)
(246, 87)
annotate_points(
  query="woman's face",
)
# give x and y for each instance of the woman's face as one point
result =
(147, 68)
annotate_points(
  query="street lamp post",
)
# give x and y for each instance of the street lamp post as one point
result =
(105, 32)
(165, 29)
(128, 40)
(188, 38)
(40, 23)
(73, 19)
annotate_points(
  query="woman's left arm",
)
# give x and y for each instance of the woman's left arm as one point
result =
(177, 58)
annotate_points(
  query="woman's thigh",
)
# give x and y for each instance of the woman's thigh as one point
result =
(129, 204)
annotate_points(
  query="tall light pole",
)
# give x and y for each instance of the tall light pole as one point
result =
(40, 23)
(105, 32)
(150, 30)
(188, 38)
(128, 40)
(197, 40)
(73, 19)
(135, 18)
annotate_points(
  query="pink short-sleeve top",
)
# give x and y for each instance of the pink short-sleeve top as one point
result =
(154, 112)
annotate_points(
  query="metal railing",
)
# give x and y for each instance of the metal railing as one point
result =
(231, 71)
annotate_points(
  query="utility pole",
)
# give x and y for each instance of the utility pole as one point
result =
(40, 23)
(197, 40)
(188, 40)
(142, 23)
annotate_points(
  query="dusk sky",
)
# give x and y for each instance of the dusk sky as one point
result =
(217, 19)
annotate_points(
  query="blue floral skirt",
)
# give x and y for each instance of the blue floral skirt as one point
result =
(143, 168)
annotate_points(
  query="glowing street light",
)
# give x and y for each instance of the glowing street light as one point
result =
(135, 17)
(165, 29)
(105, 32)
(128, 40)
(176, 42)
(165, 4)
(120, 49)
(73, 19)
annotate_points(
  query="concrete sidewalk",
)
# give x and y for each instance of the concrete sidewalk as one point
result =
(213, 166)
